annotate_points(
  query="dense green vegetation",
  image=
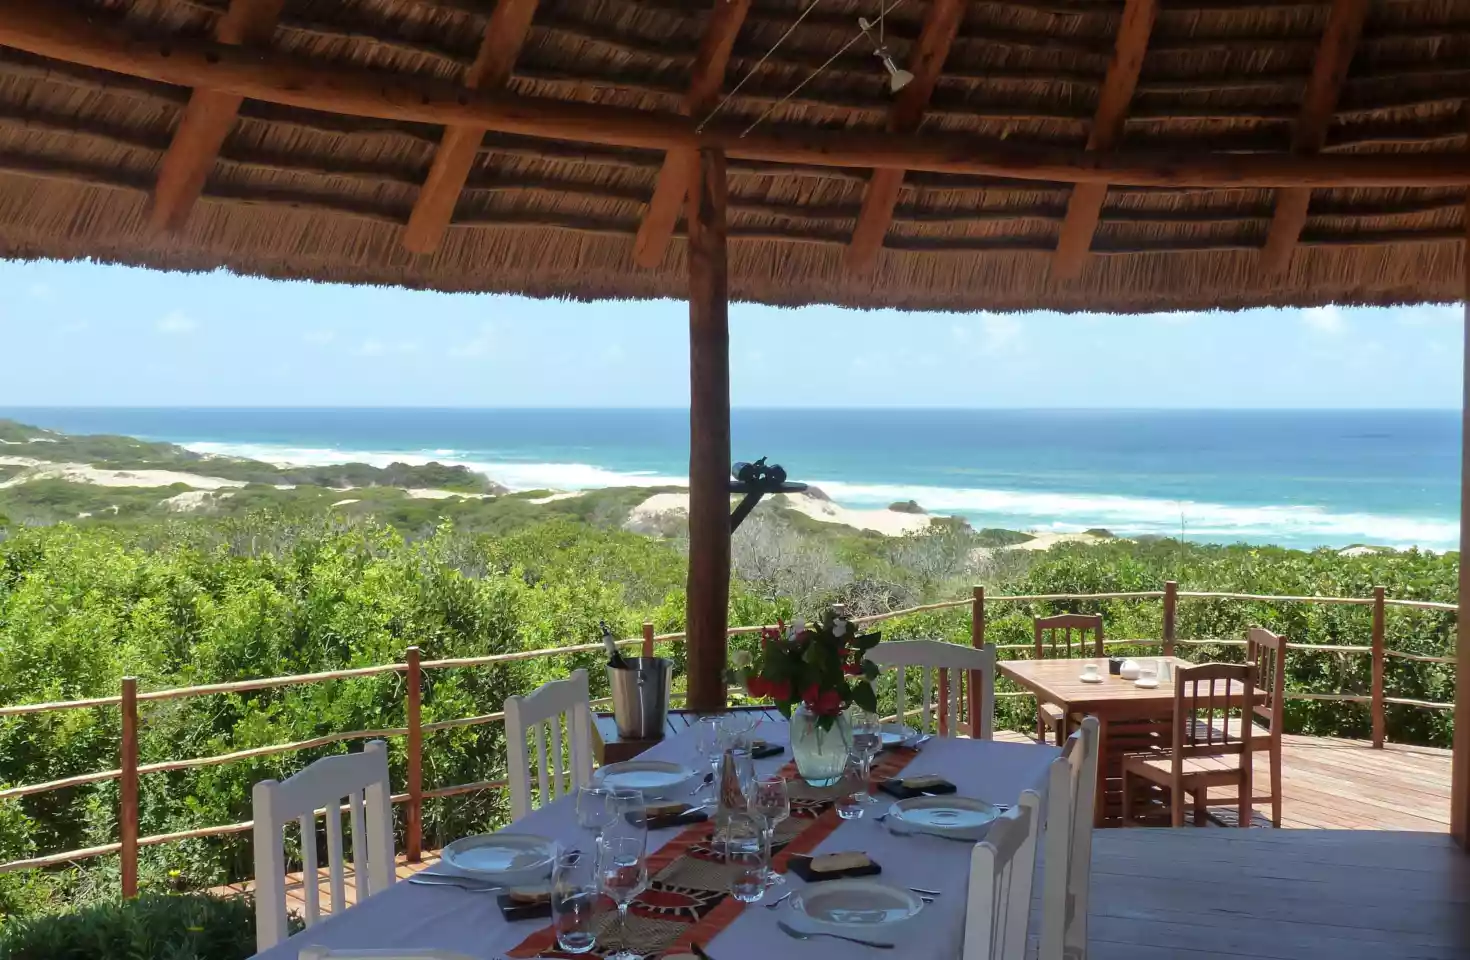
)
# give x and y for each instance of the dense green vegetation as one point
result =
(270, 582)
(179, 927)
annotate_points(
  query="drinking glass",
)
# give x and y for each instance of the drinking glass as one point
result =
(574, 895)
(710, 749)
(629, 815)
(853, 802)
(594, 808)
(622, 873)
(745, 856)
(770, 799)
(867, 738)
(744, 779)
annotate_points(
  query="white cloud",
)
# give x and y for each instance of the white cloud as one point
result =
(614, 354)
(1000, 333)
(377, 348)
(1426, 315)
(372, 348)
(177, 323)
(1328, 319)
(319, 337)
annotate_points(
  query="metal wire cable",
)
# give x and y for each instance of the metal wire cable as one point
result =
(759, 63)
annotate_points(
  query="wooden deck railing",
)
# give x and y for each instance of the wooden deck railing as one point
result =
(130, 770)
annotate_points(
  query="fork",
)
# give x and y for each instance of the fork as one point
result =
(796, 934)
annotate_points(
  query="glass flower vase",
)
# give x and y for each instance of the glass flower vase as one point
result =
(820, 755)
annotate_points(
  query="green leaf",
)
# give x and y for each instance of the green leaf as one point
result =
(865, 696)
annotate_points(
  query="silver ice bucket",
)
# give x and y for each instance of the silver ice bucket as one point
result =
(640, 696)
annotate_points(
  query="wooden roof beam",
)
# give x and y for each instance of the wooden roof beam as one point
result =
(707, 77)
(505, 35)
(51, 30)
(208, 119)
(1329, 70)
(940, 26)
(1084, 207)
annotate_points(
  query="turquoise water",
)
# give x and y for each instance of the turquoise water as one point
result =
(1296, 478)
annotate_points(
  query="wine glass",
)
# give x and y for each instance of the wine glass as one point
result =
(867, 738)
(594, 808)
(574, 895)
(770, 798)
(745, 856)
(628, 814)
(710, 749)
(622, 872)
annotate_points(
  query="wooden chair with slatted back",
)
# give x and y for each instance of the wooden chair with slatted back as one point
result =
(544, 713)
(998, 906)
(1267, 653)
(1055, 638)
(361, 778)
(1208, 749)
(954, 660)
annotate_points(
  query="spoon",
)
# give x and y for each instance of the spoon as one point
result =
(463, 883)
(777, 902)
(796, 934)
(709, 778)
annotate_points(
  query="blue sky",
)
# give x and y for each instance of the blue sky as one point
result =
(90, 335)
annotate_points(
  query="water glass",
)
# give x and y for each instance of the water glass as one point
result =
(854, 800)
(622, 873)
(867, 738)
(744, 765)
(574, 898)
(709, 747)
(745, 856)
(770, 799)
(594, 807)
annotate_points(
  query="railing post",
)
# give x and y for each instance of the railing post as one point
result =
(1378, 638)
(127, 817)
(648, 639)
(414, 827)
(977, 640)
(1171, 607)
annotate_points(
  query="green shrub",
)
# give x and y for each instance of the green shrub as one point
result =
(155, 927)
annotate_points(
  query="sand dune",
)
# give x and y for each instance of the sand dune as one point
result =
(887, 522)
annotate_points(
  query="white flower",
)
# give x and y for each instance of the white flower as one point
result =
(839, 627)
(740, 659)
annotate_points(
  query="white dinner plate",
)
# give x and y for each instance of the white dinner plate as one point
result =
(846, 906)
(658, 779)
(514, 859)
(949, 815)
(894, 734)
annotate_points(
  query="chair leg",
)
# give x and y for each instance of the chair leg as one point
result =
(1127, 799)
(1201, 802)
(1275, 757)
(1176, 807)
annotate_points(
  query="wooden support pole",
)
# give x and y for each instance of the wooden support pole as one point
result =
(414, 813)
(1084, 206)
(53, 31)
(1460, 767)
(208, 119)
(647, 639)
(505, 35)
(708, 594)
(707, 77)
(1378, 631)
(127, 814)
(1329, 70)
(927, 62)
(977, 640)
(1171, 615)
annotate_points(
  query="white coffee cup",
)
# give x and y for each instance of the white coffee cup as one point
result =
(1089, 671)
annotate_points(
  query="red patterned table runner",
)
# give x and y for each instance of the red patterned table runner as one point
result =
(688, 889)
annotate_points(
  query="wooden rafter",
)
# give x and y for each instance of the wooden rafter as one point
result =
(1329, 70)
(940, 26)
(50, 30)
(208, 118)
(1084, 207)
(706, 79)
(505, 35)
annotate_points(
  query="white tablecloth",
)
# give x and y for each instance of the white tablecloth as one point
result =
(447, 918)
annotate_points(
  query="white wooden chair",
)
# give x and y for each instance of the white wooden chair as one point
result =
(360, 778)
(544, 712)
(1067, 848)
(998, 910)
(932, 655)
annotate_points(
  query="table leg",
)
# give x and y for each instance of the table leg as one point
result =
(1104, 762)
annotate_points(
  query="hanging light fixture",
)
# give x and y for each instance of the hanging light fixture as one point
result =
(898, 78)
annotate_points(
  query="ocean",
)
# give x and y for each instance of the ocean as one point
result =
(1294, 478)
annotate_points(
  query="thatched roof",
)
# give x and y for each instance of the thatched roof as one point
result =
(304, 194)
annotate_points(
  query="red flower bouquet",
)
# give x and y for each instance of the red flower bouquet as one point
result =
(819, 665)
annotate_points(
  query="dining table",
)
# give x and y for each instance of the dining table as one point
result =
(469, 922)
(1131, 718)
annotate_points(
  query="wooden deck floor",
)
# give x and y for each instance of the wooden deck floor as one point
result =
(1347, 785)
